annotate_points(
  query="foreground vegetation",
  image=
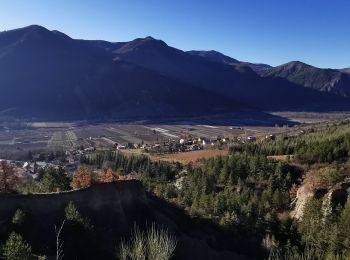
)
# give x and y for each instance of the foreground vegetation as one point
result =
(248, 194)
(245, 193)
(154, 244)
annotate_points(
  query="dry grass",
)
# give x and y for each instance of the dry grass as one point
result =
(133, 151)
(279, 157)
(181, 157)
(189, 157)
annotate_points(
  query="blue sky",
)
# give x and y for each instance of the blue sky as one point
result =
(270, 31)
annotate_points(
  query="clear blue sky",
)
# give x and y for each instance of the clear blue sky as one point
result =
(270, 31)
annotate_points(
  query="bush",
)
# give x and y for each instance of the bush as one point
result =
(16, 248)
(19, 217)
(55, 180)
(330, 176)
(160, 243)
(73, 215)
(155, 244)
(82, 178)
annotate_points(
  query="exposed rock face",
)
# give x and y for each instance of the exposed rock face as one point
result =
(338, 194)
(327, 207)
(304, 193)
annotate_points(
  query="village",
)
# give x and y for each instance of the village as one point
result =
(69, 159)
(32, 149)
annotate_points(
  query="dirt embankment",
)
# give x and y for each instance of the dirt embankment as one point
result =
(114, 209)
(330, 182)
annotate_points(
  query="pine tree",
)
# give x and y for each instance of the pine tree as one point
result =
(16, 248)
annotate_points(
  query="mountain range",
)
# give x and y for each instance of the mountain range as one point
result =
(48, 75)
(221, 58)
(327, 80)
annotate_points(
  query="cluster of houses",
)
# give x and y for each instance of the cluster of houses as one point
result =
(34, 166)
(189, 143)
(29, 170)
(185, 144)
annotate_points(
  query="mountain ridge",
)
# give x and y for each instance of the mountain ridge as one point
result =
(327, 80)
(216, 56)
(49, 75)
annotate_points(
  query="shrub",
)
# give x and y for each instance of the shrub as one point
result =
(155, 244)
(108, 176)
(19, 217)
(160, 243)
(81, 179)
(73, 215)
(330, 176)
(55, 180)
(16, 248)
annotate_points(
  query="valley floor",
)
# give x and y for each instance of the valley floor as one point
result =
(17, 139)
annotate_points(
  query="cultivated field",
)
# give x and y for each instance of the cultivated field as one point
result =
(182, 157)
(189, 157)
(68, 136)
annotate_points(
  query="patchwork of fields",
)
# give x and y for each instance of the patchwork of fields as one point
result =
(69, 136)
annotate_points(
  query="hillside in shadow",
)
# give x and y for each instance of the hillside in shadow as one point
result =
(114, 209)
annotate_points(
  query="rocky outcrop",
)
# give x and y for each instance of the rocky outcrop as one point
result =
(332, 196)
(304, 193)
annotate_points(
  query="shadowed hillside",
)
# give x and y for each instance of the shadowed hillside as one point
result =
(46, 75)
(113, 210)
(327, 80)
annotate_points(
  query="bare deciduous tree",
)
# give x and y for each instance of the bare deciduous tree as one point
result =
(59, 242)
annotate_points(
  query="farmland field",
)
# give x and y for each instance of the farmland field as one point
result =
(182, 157)
(64, 136)
(189, 157)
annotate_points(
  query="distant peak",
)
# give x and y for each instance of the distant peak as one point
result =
(215, 52)
(150, 38)
(216, 56)
(29, 28)
(33, 33)
(35, 27)
(141, 43)
(296, 64)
